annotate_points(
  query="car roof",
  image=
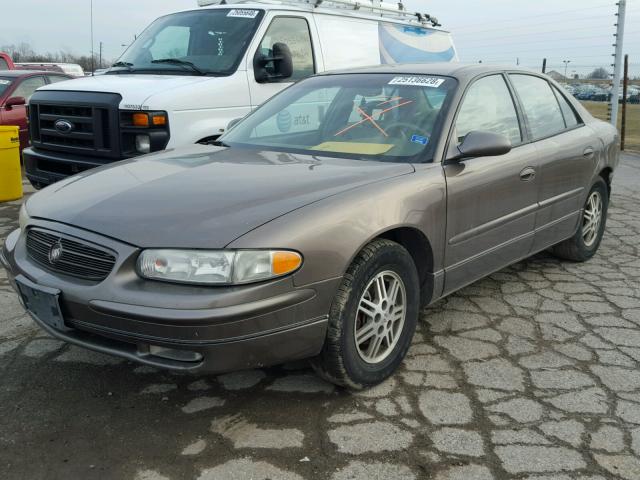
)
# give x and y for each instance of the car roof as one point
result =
(461, 71)
(24, 73)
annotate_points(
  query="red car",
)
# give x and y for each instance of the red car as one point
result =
(16, 87)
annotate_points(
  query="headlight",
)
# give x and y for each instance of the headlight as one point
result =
(23, 217)
(217, 267)
(143, 143)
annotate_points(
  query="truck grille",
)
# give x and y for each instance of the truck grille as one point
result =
(93, 118)
(64, 255)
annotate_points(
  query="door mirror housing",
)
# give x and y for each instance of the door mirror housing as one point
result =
(277, 67)
(233, 123)
(14, 102)
(479, 143)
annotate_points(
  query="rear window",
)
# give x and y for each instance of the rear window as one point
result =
(5, 83)
(540, 105)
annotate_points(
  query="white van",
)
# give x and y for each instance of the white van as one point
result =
(189, 74)
(72, 69)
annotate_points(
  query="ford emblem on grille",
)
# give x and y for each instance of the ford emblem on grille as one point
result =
(64, 126)
(55, 253)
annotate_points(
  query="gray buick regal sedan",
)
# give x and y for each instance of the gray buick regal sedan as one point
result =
(319, 225)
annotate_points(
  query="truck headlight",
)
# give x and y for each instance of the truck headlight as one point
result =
(217, 267)
(23, 217)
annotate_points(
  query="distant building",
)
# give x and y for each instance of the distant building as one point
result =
(557, 76)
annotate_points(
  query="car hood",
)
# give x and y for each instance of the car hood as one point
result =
(200, 196)
(134, 89)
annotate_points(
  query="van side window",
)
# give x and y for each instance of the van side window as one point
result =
(3, 64)
(570, 117)
(488, 106)
(294, 32)
(540, 105)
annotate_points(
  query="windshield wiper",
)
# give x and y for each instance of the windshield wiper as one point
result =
(126, 65)
(177, 61)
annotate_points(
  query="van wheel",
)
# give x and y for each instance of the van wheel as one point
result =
(584, 244)
(372, 319)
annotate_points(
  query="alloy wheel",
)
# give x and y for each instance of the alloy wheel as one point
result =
(592, 219)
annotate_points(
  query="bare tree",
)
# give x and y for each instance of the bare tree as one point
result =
(599, 73)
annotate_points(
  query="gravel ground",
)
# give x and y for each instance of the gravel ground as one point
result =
(531, 373)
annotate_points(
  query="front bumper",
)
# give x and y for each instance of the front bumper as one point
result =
(218, 329)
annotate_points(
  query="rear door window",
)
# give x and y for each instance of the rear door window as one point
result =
(540, 105)
(570, 117)
(488, 106)
(56, 78)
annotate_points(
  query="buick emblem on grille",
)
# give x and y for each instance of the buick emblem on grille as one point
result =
(55, 253)
(64, 126)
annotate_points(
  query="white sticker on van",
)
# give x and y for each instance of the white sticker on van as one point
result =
(4, 82)
(418, 81)
(243, 13)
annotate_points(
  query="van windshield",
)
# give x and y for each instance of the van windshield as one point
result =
(5, 83)
(384, 117)
(207, 41)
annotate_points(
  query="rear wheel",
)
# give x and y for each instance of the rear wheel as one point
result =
(372, 318)
(584, 244)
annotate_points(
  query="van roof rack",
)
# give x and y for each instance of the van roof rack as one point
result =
(397, 10)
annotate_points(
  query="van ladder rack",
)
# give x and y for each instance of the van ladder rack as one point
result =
(396, 10)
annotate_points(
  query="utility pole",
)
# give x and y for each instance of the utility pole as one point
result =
(100, 61)
(625, 84)
(93, 67)
(617, 64)
(566, 64)
(544, 65)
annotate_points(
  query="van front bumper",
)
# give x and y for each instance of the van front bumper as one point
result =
(185, 328)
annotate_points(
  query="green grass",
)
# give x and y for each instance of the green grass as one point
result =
(632, 137)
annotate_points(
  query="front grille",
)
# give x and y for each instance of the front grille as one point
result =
(79, 259)
(93, 118)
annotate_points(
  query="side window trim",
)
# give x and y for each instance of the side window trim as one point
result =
(311, 41)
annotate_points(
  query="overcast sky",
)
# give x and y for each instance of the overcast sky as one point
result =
(493, 30)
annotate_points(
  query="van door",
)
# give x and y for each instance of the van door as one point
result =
(297, 31)
(491, 201)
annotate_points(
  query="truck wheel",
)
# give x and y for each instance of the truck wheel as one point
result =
(372, 319)
(584, 244)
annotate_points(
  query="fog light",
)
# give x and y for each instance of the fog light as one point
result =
(143, 143)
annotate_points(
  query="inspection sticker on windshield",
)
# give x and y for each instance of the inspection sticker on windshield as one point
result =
(243, 13)
(418, 81)
(419, 139)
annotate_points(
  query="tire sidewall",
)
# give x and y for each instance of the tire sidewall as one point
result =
(398, 260)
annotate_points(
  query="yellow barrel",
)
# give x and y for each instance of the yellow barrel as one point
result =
(10, 170)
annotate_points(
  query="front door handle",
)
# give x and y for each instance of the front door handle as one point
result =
(588, 152)
(528, 174)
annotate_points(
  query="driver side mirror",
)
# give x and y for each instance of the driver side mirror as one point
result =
(479, 143)
(233, 123)
(14, 102)
(281, 66)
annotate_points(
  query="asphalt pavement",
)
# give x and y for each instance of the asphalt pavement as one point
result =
(531, 373)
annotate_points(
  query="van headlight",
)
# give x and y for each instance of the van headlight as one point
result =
(217, 267)
(23, 217)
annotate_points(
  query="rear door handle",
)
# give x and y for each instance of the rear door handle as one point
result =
(528, 174)
(588, 152)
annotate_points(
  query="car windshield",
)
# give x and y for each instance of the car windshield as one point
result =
(5, 83)
(385, 117)
(196, 42)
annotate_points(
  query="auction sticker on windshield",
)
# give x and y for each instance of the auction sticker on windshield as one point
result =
(243, 13)
(418, 81)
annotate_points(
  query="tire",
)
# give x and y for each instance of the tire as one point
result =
(355, 365)
(584, 244)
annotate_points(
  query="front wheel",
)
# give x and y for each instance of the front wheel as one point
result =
(372, 318)
(584, 244)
